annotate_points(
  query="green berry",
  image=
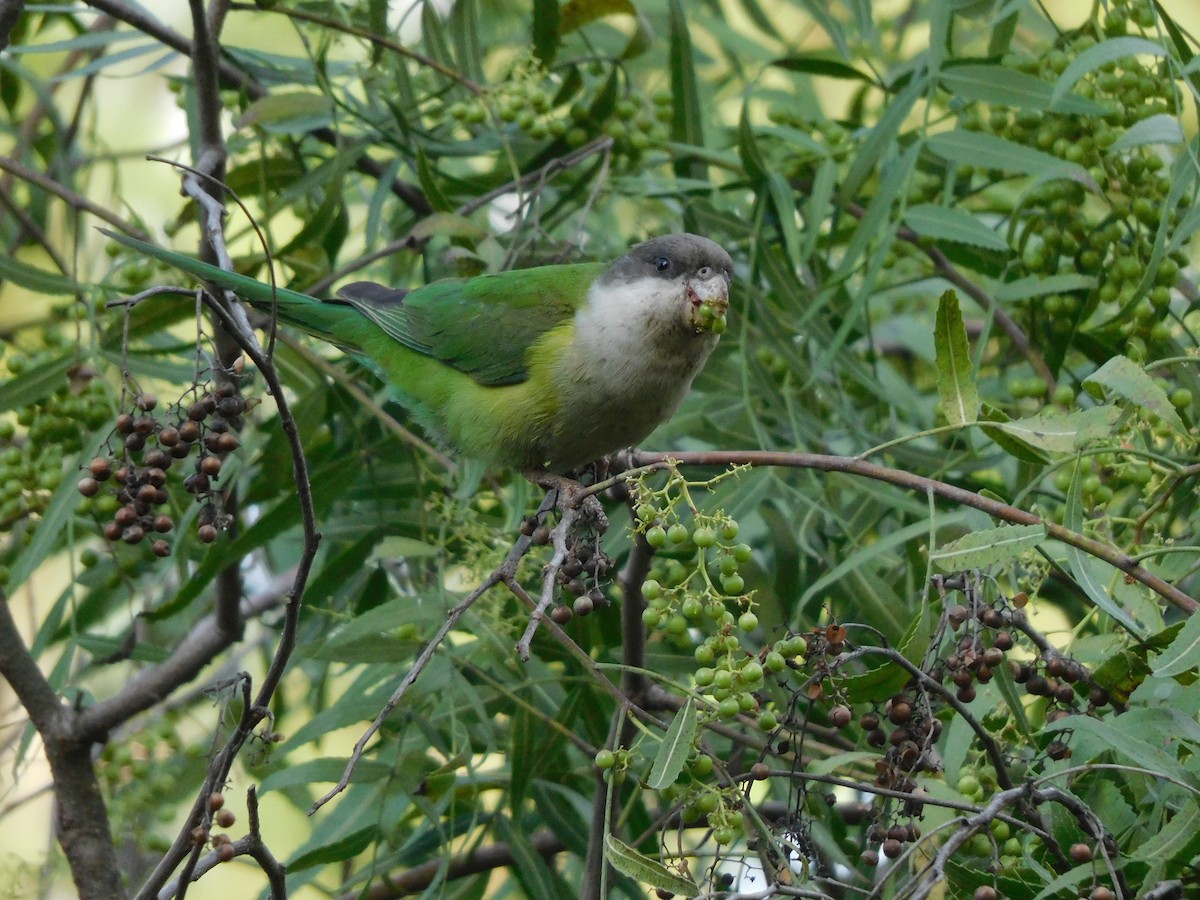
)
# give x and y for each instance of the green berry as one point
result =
(747, 621)
(752, 673)
(1181, 398)
(729, 530)
(767, 721)
(775, 661)
(651, 589)
(723, 679)
(729, 565)
(734, 585)
(605, 759)
(742, 553)
(677, 533)
(656, 536)
(704, 536)
(728, 708)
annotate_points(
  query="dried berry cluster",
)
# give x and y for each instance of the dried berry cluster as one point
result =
(148, 450)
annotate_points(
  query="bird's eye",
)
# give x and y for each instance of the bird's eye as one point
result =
(705, 272)
(662, 264)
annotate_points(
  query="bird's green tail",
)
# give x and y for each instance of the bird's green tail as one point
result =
(335, 322)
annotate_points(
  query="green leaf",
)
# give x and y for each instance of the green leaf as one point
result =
(946, 223)
(34, 279)
(687, 115)
(546, 34)
(1009, 443)
(1176, 842)
(339, 850)
(1095, 57)
(877, 684)
(36, 384)
(649, 871)
(577, 13)
(987, 548)
(1041, 285)
(446, 224)
(1158, 129)
(287, 112)
(327, 770)
(673, 752)
(1183, 654)
(1129, 381)
(821, 64)
(956, 376)
(987, 83)
(880, 141)
(1090, 573)
(1059, 432)
(987, 151)
(1109, 735)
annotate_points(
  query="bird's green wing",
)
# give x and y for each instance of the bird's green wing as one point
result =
(482, 326)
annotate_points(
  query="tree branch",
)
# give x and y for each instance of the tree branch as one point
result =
(81, 816)
(854, 466)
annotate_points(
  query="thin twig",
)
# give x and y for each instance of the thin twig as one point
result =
(855, 466)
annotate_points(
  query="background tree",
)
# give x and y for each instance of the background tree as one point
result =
(949, 644)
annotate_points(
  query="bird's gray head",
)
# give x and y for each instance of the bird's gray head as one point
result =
(693, 270)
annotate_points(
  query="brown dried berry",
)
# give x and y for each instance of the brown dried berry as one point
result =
(228, 442)
(225, 818)
(877, 737)
(125, 423)
(985, 892)
(216, 800)
(892, 848)
(161, 548)
(180, 450)
(145, 401)
(189, 432)
(541, 535)
(1081, 853)
(869, 721)
(207, 533)
(1102, 893)
(169, 436)
(840, 716)
(198, 835)
(582, 606)
(112, 531)
(100, 468)
(135, 442)
(1003, 640)
(966, 694)
(197, 483)
(229, 407)
(163, 524)
(210, 466)
(144, 425)
(89, 486)
(226, 852)
(146, 493)
(133, 534)
(900, 712)
(196, 412)
(869, 858)
(1058, 750)
(561, 615)
(125, 516)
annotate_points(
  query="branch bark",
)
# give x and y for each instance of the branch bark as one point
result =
(80, 813)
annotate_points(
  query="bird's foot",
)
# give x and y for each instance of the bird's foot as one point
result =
(571, 495)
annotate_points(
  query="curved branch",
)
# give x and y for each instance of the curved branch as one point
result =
(854, 466)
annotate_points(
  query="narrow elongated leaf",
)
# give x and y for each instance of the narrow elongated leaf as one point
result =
(339, 850)
(546, 23)
(687, 115)
(1092, 574)
(629, 862)
(577, 13)
(1104, 52)
(987, 548)
(1159, 129)
(988, 151)
(820, 64)
(1109, 734)
(675, 747)
(36, 384)
(1129, 381)
(33, 278)
(945, 223)
(956, 376)
(291, 111)
(1184, 652)
(1063, 432)
(989, 83)
(1009, 443)
(1041, 285)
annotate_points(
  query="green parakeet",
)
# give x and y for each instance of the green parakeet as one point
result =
(547, 368)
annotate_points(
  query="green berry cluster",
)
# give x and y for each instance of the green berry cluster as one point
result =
(1059, 229)
(41, 433)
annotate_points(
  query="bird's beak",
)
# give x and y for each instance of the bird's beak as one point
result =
(709, 300)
